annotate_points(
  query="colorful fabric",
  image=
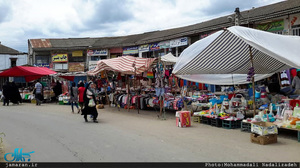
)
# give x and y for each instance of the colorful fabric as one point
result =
(150, 75)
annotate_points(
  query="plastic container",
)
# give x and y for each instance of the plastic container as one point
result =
(296, 111)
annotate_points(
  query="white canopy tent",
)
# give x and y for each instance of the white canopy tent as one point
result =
(224, 55)
(169, 59)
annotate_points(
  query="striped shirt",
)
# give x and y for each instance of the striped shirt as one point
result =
(38, 87)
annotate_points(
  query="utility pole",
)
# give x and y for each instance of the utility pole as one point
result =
(237, 20)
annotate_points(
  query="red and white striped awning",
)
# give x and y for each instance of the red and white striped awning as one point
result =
(124, 64)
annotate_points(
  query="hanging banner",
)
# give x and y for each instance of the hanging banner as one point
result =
(154, 47)
(102, 52)
(77, 54)
(179, 42)
(92, 65)
(272, 26)
(164, 44)
(144, 48)
(76, 67)
(130, 50)
(59, 57)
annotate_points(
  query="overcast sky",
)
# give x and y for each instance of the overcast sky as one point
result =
(21, 20)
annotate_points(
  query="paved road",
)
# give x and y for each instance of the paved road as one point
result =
(55, 134)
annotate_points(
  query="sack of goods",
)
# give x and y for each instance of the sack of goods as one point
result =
(100, 106)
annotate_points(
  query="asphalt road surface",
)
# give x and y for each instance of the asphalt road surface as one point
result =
(57, 135)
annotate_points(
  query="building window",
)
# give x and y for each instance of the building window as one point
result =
(60, 66)
(42, 60)
(296, 30)
(13, 62)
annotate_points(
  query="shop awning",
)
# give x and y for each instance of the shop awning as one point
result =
(124, 64)
(225, 54)
(30, 73)
(169, 59)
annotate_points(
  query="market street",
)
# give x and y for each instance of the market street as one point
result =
(57, 135)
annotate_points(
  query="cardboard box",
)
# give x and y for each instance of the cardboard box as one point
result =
(264, 128)
(183, 119)
(263, 140)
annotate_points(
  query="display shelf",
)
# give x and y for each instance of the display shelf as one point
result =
(206, 120)
(245, 126)
(216, 122)
(231, 124)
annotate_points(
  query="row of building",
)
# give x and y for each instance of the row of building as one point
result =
(82, 54)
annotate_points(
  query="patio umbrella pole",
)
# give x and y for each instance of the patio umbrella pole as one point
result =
(253, 84)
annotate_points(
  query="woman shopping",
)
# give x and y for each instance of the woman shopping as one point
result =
(73, 92)
(90, 102)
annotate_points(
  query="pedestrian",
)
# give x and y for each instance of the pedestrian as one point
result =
(57, 90)
(73, 93)
(90, 102)
(80, 94)
(15, 94)
(38, 92)
(6, 91)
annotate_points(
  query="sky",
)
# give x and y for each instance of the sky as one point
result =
(21, 20)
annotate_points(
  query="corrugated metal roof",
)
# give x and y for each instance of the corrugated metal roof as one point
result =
(40, 43)
(253, 15)
(7, 50)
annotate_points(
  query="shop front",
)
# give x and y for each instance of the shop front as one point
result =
(178, 45)
(115, 52)
(59, 62)
(133, 51)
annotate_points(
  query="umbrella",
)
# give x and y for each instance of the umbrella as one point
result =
(235, 50)
(169, 59)
(30, 73)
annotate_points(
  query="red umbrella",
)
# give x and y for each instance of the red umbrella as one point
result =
(30, 73)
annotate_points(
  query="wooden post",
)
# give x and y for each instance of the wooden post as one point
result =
(128, 90)
(134, 85)
(253, 83)
(107, 100)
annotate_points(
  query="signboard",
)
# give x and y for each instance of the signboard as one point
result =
(179, 42)
(130, 50)
(102, 52)
(144, 48)
(77, 54)
(116, 50)
(272, 26)
(92, 65)
(59, 57)
(42, 65)
(154, 47)
(76, 67)
(164, 44)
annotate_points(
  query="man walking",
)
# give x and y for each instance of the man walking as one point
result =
(38, 92)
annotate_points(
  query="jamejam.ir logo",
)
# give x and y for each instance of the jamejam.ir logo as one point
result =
(18, 156)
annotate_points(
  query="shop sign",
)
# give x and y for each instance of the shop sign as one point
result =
(130, 50)
(144, 48)
(77, 54)
(59, 57)
(42, 65)
(102, 52)
(116, 50)
(92, 65)
(76, 67)
(179, 42)
(272, 26)
(154, 47)
(164, 44)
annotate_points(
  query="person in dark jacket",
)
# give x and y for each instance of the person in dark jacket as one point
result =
(57, 89)
(15, 94)
(89, 95)
(6, 91)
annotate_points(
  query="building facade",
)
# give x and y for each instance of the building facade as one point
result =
(81, 54)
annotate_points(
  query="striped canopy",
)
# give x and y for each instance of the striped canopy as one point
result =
(124, 64)
(227, 52)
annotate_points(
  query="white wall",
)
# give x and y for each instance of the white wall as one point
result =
(5, 60)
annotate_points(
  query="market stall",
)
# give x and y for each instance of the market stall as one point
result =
(239, 55)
